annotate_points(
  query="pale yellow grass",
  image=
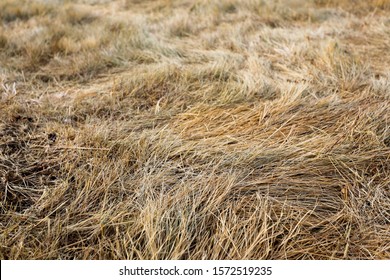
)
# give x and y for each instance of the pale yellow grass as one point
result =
(165, 129)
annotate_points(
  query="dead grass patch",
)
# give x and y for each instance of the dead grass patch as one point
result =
(194, 130)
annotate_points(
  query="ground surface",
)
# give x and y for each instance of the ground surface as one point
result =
(195, 129)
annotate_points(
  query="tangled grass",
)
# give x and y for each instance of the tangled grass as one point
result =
(166, 129)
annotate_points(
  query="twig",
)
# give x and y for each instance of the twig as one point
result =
(69, 147)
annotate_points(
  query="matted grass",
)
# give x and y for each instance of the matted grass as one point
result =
(194, 129)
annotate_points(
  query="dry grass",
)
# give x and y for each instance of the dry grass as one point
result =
(166, 129)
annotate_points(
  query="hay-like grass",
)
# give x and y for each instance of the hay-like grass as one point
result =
(194, 129)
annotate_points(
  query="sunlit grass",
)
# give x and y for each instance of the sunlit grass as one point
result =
(194, 129)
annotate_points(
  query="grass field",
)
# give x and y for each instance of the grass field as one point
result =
(201, 129)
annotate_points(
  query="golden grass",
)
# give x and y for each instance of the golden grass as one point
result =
(166, 129)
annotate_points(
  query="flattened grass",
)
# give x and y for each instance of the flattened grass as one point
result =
(194, 130)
